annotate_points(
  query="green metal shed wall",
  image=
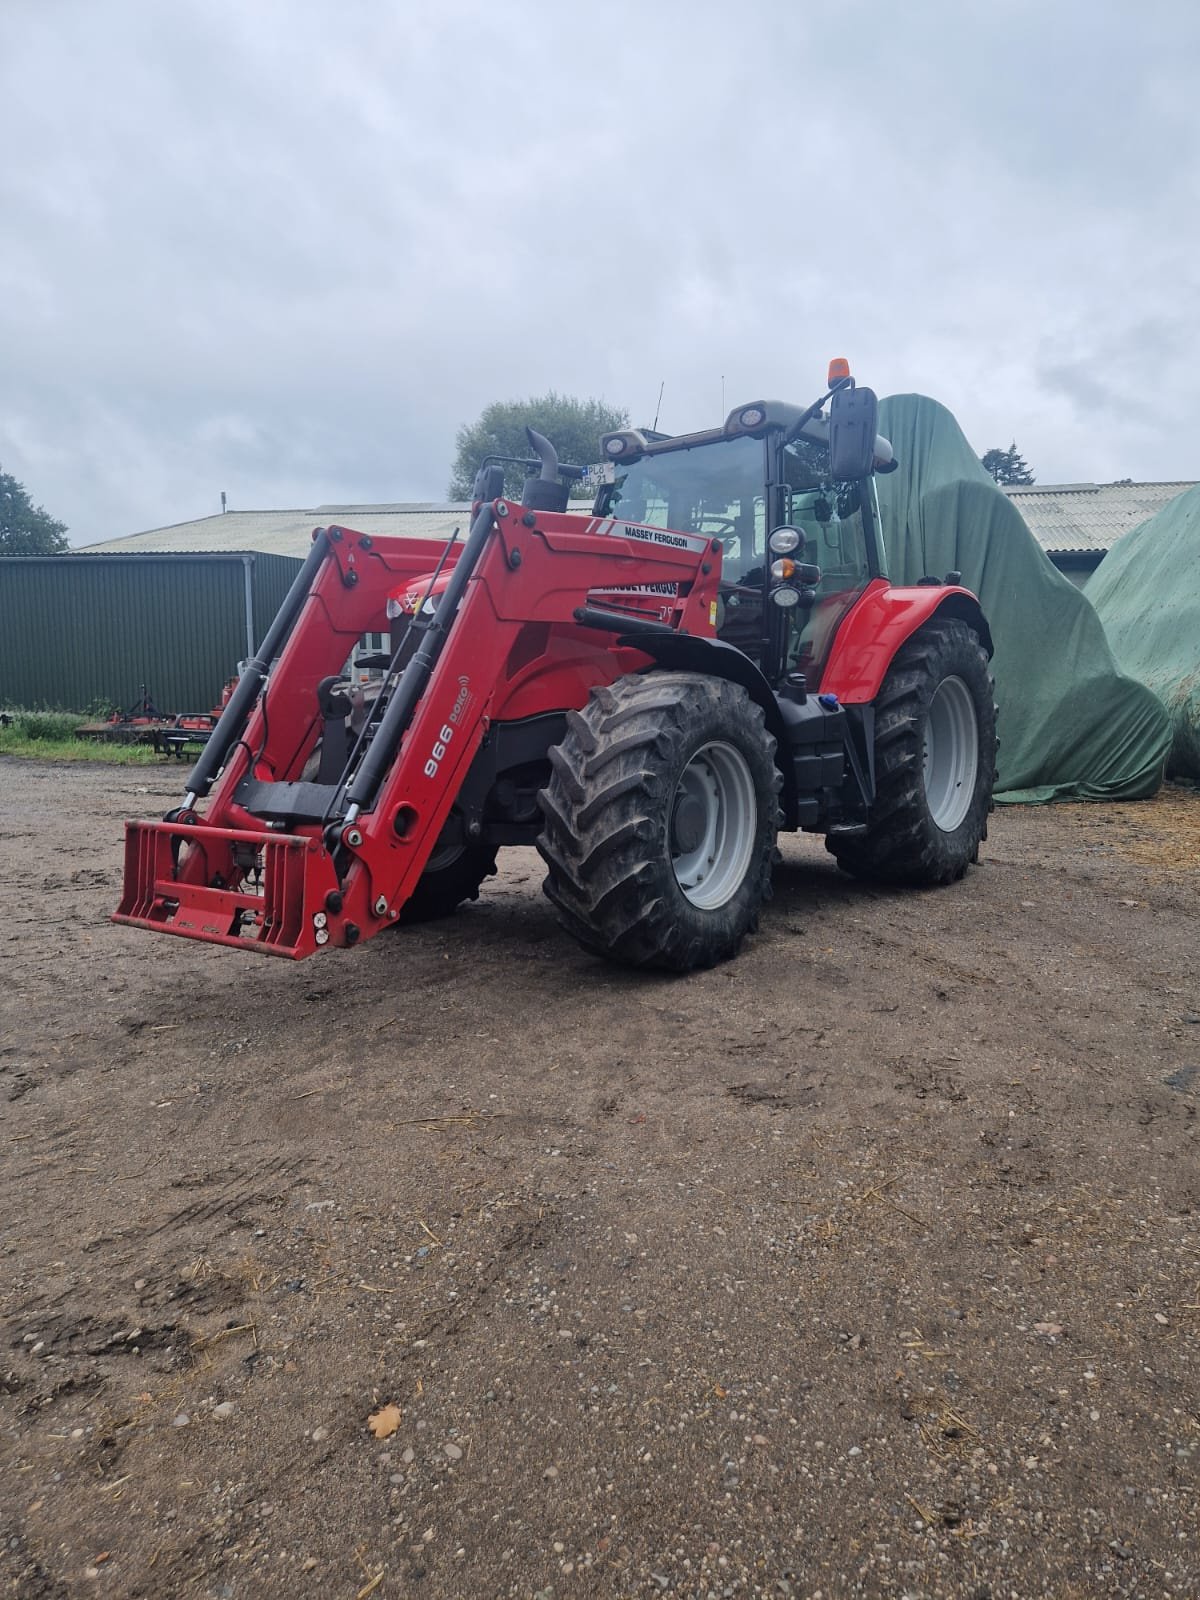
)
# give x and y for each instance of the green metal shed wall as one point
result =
(272, 579)
(77, 629)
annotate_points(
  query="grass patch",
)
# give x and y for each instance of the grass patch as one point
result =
(50, 736)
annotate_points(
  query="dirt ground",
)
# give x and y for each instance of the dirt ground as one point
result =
(868, 1264)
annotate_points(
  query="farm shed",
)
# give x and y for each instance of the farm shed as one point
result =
(1077, 524)
(80, 628)
(173, 608)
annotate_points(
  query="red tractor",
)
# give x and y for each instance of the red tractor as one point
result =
(648, 694)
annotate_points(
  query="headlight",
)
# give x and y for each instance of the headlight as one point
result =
(752, 417)
(784, 540)
(784, 568)
(787, 597)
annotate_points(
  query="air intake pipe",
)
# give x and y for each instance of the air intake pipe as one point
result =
(545, 492)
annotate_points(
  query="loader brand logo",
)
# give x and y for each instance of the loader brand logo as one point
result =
(446, 733)
(661, 536)
(408, 604)
(464, 700)
(671, 589)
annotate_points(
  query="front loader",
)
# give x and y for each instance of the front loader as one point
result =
(648, 693)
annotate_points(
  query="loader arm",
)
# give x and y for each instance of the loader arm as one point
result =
(286, 865)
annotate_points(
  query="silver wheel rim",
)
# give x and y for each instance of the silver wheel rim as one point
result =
(951, 756)
(717, 787)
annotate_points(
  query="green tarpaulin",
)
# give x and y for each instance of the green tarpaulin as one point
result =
(1146, 592)
(1071, 725)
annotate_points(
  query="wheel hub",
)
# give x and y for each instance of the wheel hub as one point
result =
(713, 825)
(950, 758)
(687, 823)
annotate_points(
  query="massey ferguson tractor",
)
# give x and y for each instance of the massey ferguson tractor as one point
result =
(648, 694)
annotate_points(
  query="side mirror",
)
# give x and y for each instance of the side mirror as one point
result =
(853, 424)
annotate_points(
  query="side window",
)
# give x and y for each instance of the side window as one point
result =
(828, 515)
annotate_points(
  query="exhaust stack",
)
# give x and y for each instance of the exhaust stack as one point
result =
(545, 492)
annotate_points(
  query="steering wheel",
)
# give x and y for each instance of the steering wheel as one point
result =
(728, 526)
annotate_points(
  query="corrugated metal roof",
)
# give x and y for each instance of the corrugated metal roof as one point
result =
(1065, 517)
(287, 533)
(1069, 518)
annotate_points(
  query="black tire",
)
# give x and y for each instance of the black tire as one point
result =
(904, 842)
(453, 875)
(623, 825)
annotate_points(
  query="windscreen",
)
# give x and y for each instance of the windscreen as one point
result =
(718, 489)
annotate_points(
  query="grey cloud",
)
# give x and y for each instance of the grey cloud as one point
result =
(285, 251)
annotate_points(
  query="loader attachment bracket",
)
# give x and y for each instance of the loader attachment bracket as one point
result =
(260, 891)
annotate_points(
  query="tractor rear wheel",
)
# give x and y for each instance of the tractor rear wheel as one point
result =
(660, 820)
(935, 763)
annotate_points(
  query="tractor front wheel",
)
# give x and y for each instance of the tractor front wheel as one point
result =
(660, 820)
(935, 763)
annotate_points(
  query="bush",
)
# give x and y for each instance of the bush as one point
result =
(43, 726)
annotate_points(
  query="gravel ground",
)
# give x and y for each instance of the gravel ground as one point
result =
(867, 1264)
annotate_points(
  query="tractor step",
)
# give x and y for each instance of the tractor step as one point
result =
(169, 891)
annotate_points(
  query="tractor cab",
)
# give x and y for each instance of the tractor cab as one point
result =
(800, 541)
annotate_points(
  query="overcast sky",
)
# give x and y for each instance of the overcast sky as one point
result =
(285, 248)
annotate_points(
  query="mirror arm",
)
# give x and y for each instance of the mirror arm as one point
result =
(813, 410)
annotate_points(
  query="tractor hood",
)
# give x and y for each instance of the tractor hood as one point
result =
(407, 600)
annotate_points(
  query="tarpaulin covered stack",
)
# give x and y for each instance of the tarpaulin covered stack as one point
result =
(1146, 592)
(1071, 724)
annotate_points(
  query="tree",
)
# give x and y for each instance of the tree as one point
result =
(572, 426)
(1008, 466)
(25, 529)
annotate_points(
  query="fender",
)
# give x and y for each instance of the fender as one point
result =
(690, 652)
(880, 622)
